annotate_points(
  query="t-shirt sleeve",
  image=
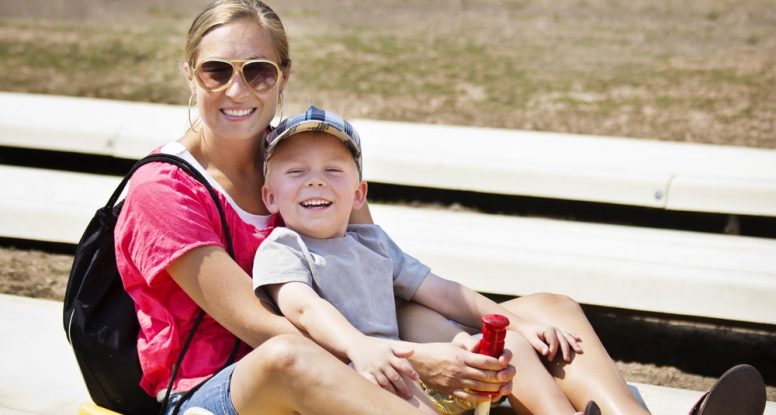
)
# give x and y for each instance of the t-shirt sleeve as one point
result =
(280, 259)
(166, 213)
(408, 272)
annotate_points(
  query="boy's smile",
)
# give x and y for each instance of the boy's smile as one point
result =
(316, 203)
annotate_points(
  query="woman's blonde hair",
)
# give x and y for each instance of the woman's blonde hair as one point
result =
(221, 12)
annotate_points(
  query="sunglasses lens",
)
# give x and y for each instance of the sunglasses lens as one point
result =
(261, 76)
(214, 74)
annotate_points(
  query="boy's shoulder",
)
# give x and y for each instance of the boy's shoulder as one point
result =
(374, 237)
(364, 230)
(283, 236)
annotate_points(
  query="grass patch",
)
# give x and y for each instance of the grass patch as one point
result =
(635, 69)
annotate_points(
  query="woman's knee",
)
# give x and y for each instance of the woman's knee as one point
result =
(285, 354)
(561, 301)
(544, 303)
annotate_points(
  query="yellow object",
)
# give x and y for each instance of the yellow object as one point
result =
(92, 409)
(447, 404)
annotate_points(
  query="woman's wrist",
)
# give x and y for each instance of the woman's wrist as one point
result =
(463, 339)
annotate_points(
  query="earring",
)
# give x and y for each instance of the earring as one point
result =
(191, 102)
(280, 102)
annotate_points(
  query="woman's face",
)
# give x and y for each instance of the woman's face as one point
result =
(239, 112)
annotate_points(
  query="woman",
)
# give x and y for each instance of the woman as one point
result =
(170, 252)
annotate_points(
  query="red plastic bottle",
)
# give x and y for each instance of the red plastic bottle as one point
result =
(494, 329)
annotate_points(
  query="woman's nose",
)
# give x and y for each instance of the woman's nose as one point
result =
(238, 86)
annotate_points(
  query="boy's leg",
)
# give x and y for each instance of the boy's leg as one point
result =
(592, 375)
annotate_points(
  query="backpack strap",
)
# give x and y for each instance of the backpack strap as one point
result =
(188, 168)
(194, 173)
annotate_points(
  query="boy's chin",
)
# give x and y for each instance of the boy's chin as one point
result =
(317, 233)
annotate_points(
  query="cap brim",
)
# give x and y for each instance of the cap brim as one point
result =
(314, 126)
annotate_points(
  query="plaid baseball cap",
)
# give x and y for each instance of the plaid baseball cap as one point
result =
(314, 119)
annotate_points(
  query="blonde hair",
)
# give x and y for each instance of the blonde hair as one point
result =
(221, 12)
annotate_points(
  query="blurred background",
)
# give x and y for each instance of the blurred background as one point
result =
(697, 71)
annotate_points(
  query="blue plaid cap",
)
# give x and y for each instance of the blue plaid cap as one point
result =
(315, 119)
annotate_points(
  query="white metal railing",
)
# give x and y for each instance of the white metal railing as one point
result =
(639, 172)
(678, 272)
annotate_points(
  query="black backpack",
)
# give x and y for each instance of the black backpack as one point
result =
(99, 316)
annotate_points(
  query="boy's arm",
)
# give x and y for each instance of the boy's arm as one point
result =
(374, 359)
(466, 306)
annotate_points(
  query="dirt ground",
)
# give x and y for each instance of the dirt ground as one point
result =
(642, 348)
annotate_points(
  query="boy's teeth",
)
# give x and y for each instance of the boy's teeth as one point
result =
(238, 113)
(315, 203)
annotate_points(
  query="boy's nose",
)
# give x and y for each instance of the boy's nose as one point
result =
(315, 182)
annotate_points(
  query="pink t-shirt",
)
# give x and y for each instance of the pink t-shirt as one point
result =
(166, 214)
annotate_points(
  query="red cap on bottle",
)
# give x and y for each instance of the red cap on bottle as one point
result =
(494, 329)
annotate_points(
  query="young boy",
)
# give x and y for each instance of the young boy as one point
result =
(339, 282)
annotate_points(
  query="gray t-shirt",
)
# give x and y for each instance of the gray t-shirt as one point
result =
(359, 273)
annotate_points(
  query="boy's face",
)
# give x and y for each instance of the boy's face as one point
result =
(314, 183)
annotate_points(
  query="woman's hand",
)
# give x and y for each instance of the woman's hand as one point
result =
(547, 339)
(450, 368)
(383, 364)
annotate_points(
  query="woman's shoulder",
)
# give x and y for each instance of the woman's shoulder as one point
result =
(160, 171)
(161, 175)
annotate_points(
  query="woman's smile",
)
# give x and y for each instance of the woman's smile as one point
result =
(239, 113)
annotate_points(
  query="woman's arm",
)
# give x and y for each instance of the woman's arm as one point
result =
(221, 288)
(446, 367)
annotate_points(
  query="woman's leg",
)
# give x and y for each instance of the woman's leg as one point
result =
(534, 390)
(292, 375)
(592, 375)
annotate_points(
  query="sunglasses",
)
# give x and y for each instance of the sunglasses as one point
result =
(216, 75)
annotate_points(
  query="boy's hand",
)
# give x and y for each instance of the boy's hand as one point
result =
(384, 365)
(548, 339)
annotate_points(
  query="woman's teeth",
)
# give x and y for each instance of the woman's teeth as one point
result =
(237, 112)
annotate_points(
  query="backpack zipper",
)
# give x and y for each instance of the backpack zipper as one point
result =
(70, 325)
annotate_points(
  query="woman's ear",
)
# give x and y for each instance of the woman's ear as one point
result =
(189, 73)
(359, 198)
(269, 199)
(286, 75)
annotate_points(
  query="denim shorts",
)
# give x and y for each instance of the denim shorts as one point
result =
(214, 395)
